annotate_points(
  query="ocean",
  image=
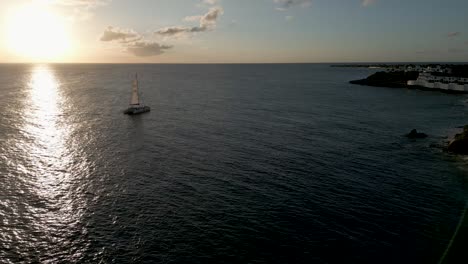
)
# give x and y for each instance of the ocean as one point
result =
(260, 163)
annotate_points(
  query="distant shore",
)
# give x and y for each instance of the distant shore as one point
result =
(446, 78)
(398, 80)
(365, 65)
(388, 79)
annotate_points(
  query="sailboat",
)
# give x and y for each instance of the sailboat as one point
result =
(136, 106)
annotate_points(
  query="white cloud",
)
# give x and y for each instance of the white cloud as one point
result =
(135, 44)
(146, 49)
(132, 42)
(210, 18)
(174, 30)
(207, 22)
(113, 33)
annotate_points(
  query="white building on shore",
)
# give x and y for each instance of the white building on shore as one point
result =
(419, 68)
(430, 81)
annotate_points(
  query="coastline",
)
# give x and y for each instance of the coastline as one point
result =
(399, 79)
(387, 79)
(422, 88)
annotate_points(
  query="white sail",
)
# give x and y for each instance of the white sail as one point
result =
(135, 98)
(136, 107)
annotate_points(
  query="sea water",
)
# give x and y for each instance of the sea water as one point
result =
(282, 163)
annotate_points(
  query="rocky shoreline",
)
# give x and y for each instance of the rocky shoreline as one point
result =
(459, 144)
(399, 79)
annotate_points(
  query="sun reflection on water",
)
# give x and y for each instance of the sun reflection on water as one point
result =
(44, 90)
(48, 133)
(51, 162)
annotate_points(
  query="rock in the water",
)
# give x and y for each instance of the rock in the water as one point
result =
(415, 134)
(459, 145)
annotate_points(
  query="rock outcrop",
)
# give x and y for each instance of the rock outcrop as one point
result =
(415, 134)
(459, 145)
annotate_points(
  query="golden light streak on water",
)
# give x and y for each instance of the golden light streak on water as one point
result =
(51, 162)
(48, 132)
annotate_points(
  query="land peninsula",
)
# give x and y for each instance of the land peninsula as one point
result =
(447, 78)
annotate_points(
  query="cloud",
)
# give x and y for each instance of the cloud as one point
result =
(125, 35)
(210, 18)
(146, 49)
(286, 4)
(174, 30)
(207, 22)
(132, 42)
(210, 2)
(453, 34)
(367, 2)
(135, 44)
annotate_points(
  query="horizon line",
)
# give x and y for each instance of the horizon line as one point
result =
(244, 63)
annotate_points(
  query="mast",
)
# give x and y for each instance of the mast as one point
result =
(135, 98)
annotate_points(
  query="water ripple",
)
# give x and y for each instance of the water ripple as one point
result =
(235, 163)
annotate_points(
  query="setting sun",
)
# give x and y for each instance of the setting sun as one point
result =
(37, 33)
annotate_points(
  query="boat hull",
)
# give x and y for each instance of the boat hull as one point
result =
(137, 110)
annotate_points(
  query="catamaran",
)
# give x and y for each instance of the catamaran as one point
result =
(136, 107)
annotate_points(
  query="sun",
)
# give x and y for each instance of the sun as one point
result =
(36, 33)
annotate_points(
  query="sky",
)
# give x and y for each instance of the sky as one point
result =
(233, 31)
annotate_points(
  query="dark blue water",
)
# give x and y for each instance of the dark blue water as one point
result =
(235, 163)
